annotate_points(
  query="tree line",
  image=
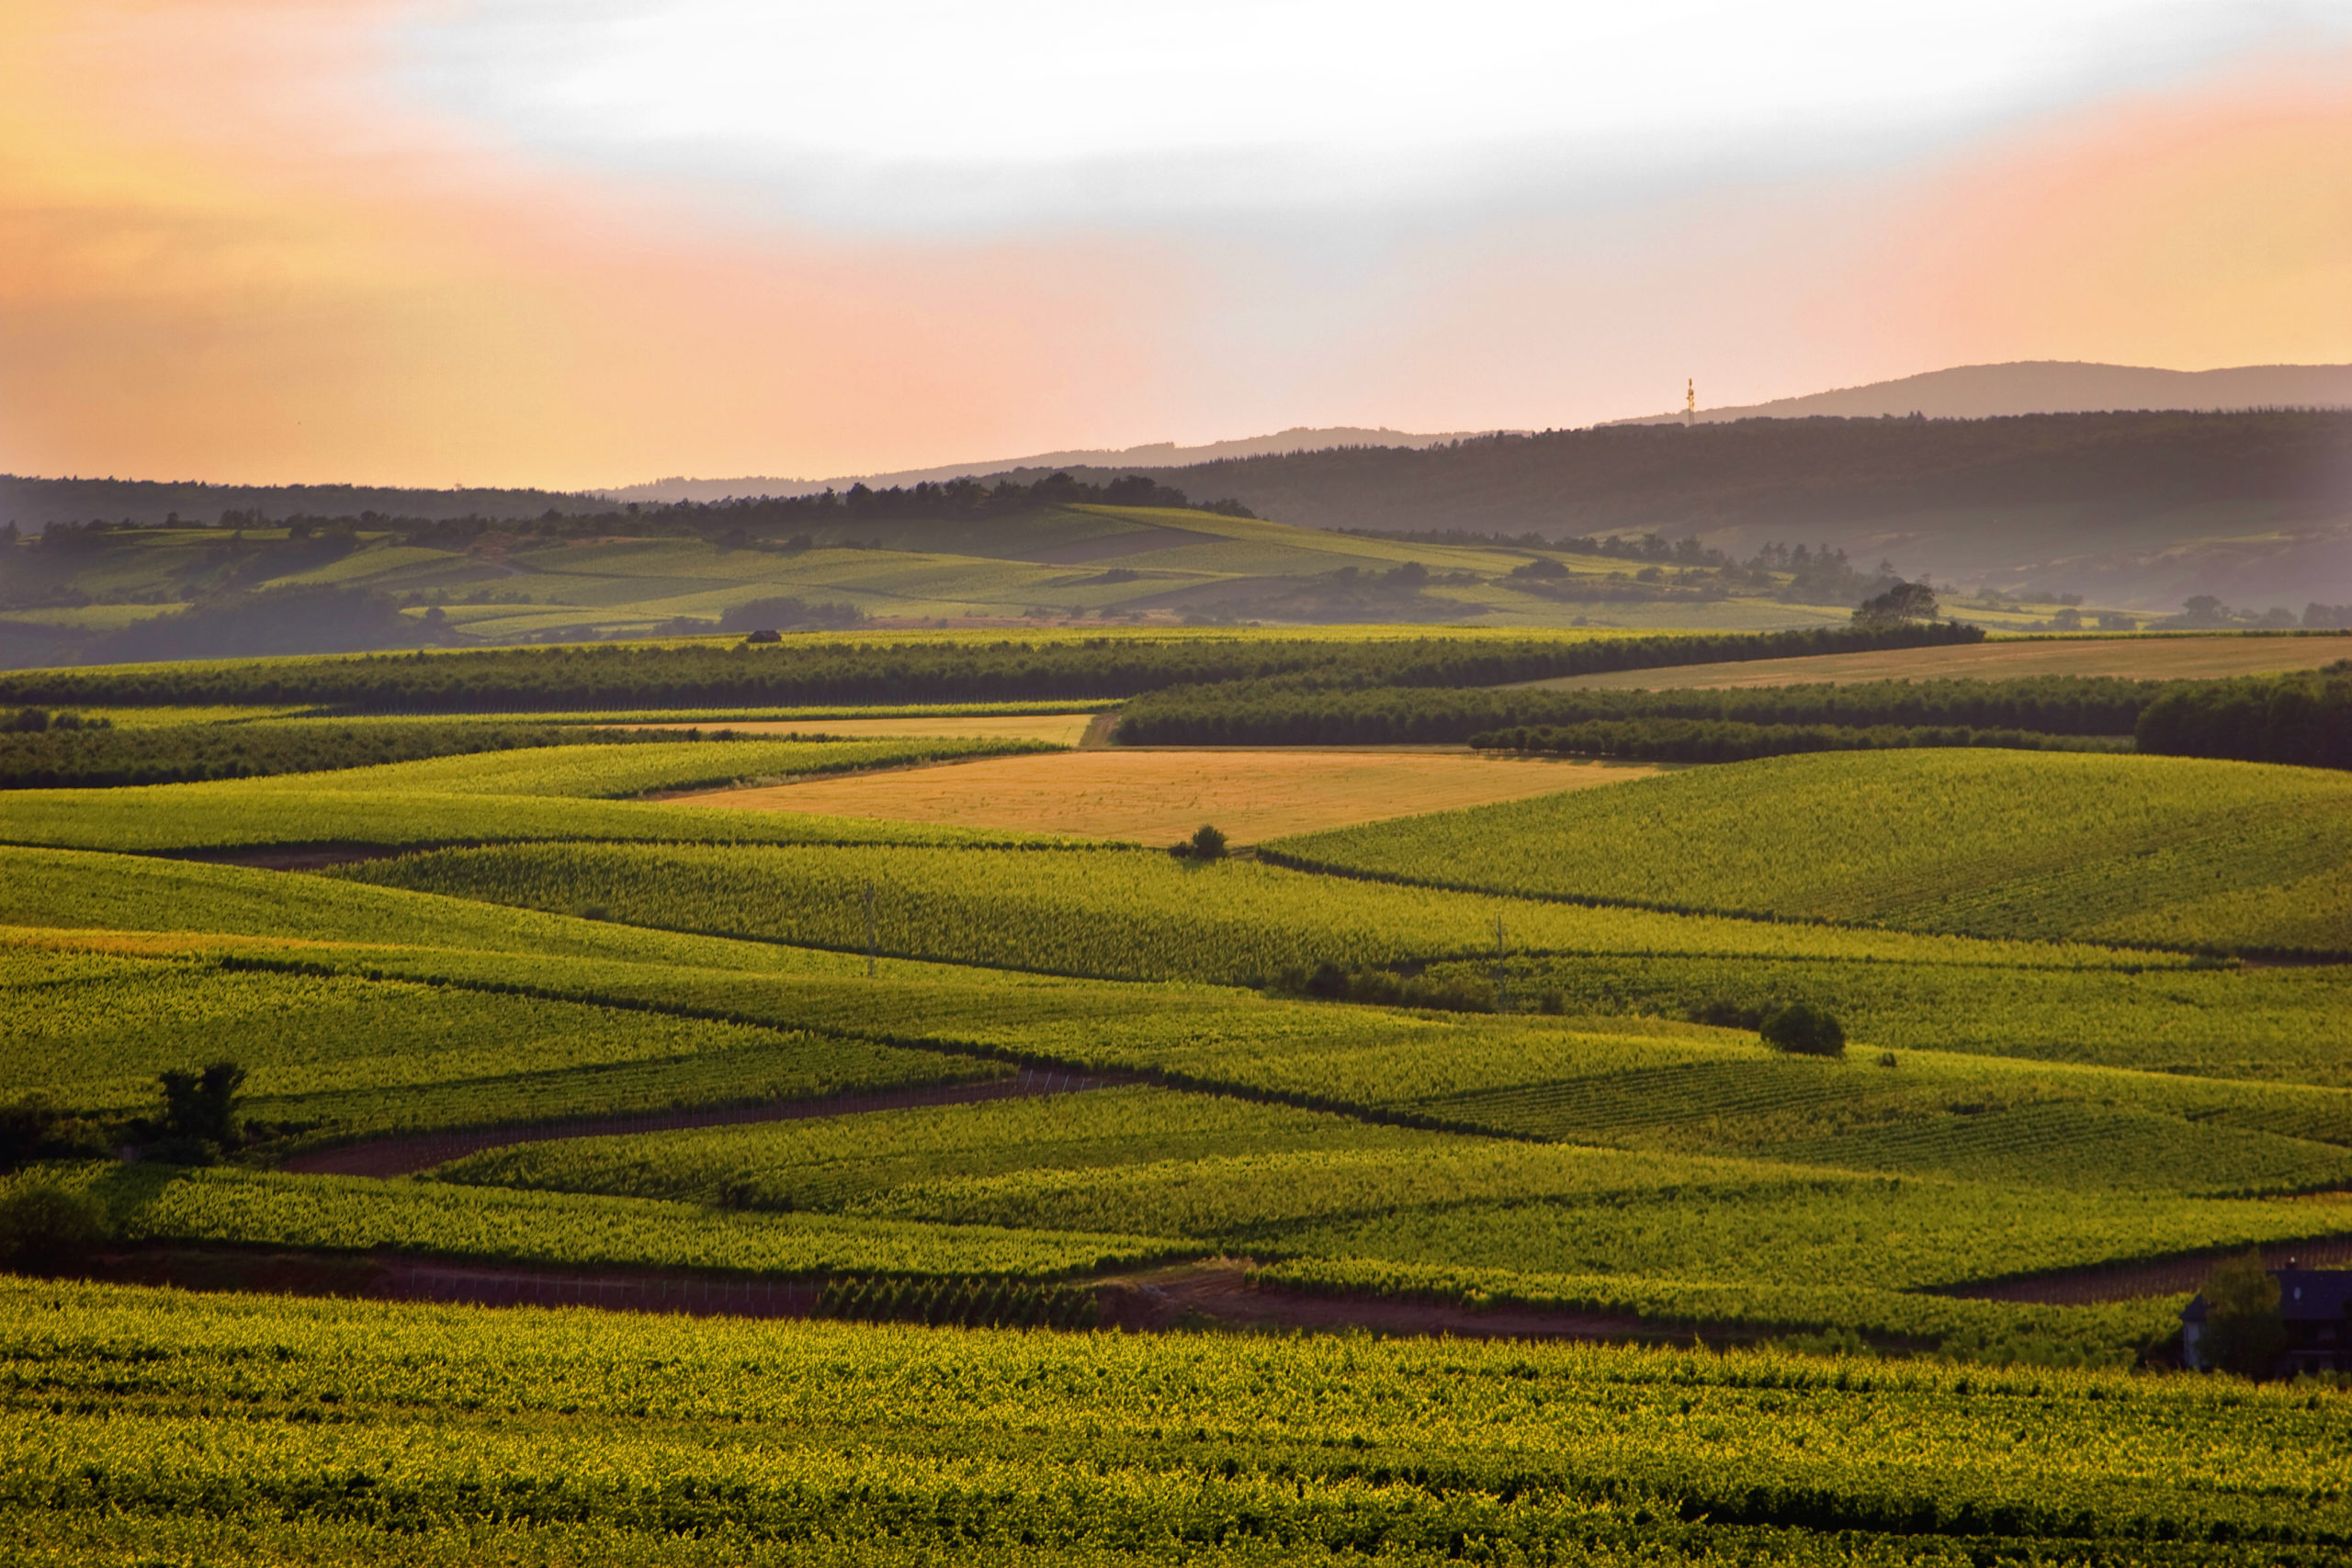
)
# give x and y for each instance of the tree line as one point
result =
(648, 675)
(1707, 741)
(2304, 718)
(95, 758)
(1293, 712)
(1794, 473)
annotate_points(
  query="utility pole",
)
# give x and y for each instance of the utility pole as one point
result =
(869, 928)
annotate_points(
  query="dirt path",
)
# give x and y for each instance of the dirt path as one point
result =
(2135, 1281)
(407, 1155)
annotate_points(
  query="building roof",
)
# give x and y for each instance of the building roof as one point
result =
(2307, 1293)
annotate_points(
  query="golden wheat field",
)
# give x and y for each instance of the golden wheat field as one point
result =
(1160, 796)
(2139, 657)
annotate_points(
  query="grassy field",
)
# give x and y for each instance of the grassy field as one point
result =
(2157, 657)
(2169, 852)
(1066, 564)
(1157, 797)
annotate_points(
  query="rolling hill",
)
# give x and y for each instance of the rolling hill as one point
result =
(2140, 508)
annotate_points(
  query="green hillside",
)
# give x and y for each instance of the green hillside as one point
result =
(2139, 509)
(2047, 846)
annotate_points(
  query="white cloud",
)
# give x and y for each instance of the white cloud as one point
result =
(924, 114)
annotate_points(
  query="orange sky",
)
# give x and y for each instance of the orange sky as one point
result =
(229, 250)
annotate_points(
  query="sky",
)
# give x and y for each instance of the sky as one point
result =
(587, 243)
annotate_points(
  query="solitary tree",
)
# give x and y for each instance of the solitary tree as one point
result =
(2244, 1332)
(1206, 844)
(201, 1108)
(1904, 603)
(1805, 1029)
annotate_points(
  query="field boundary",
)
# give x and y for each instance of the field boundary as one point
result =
(1155, 1077)
(2171, 1274)
(407, 1153)
(1290, 862)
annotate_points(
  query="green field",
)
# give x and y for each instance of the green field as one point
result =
(1052, 910)
(2132, 851)
(2071, 1047)
(1053, 562)
(142, 1423)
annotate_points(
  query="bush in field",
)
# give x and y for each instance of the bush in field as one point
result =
(1803, 1030)
(1206, 844)
(2244, 1332)
(46, 1225)
(35, 1128)
(201, 1116)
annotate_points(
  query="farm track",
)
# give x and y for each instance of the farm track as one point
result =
(2135, 1281)
(407, 1155)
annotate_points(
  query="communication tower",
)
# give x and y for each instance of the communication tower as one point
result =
(1690, 401)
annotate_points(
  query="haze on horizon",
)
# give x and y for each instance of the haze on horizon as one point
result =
(518, 241)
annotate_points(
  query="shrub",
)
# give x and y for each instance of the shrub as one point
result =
(1206, 844)
(46, 1225)
(34, 1128)
(1804, 1030)
(202, 1107)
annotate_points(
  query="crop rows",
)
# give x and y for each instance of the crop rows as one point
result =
(335, 1213)
(1294, 711)
(93, 1031)
(2044, 846)
(132, 1412)
(867, 670)
(833, 1162)
(110, 757)
(1121, 914)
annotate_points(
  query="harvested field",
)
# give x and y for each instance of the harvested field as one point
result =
(1159, 797)
(1061, 728)
(2139, 657)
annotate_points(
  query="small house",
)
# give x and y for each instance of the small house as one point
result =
(2315, 1308)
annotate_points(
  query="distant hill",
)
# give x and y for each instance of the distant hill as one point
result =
(33, 503)
(2141, 510)
(1160, 453)
(2054, 385)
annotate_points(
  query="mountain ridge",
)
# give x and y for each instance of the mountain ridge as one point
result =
(2049, 385)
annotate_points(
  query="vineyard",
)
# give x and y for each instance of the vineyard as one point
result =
(1067, 1150)
(1050, 911)
(336, 1213)
(140, 1422)
(2125, 850)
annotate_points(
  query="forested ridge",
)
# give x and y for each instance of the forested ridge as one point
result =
(1796, 473)
(612, 675)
